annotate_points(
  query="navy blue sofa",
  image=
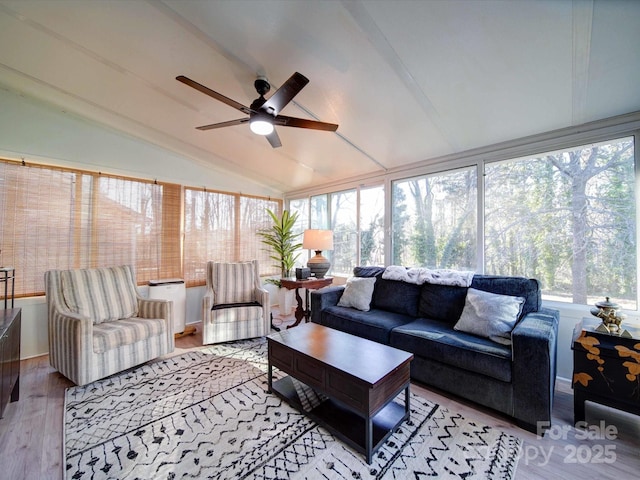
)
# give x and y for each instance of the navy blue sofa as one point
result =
(518, 379)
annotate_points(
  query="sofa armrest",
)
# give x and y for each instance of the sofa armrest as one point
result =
(323, 298)
(534, 343)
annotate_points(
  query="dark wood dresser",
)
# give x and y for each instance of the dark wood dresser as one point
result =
(606, 368)
(9, 356)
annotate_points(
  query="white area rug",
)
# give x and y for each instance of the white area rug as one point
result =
(206, 414)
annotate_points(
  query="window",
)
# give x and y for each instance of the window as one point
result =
(372, 226)
(300, 207)
(358, 227)
(221, 226)
(345, 229)
(55, 218)
(566, 218)
(434, 220)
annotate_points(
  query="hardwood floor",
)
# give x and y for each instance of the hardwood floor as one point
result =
(31, 430)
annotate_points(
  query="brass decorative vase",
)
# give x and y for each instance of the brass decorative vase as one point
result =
(607, 311)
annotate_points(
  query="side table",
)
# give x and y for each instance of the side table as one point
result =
(8, 274)
(308, 284)
(606, 368)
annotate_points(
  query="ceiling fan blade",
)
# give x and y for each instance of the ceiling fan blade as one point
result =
(214, 94)
(304, 123)
(285, 94)
(230, 123)
(274, 139)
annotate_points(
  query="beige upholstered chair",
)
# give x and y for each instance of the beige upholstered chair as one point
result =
(100, 325)
(234, 306)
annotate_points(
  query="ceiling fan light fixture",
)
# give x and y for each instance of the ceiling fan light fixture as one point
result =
(260, 126)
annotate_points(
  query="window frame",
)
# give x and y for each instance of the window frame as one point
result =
(565, 139)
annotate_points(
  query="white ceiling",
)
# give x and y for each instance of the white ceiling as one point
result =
(405, 80)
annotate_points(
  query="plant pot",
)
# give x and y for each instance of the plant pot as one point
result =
(286, 301)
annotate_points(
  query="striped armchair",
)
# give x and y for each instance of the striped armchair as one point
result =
(100, 325)
(234, 306)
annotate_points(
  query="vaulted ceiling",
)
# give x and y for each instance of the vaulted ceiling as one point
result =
(406, 81)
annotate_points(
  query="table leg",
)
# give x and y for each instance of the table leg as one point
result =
(300, 312)
(369, 439)
(307, 311)
(407, 404)
(269, 376)
(277, 329)
(578, 406)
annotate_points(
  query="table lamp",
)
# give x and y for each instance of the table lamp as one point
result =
(318, 240)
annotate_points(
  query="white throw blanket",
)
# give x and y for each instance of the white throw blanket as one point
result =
(458, 278)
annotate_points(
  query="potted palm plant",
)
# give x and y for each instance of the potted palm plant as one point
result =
(283, 244)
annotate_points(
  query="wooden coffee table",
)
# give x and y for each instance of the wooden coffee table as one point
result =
(360, 378)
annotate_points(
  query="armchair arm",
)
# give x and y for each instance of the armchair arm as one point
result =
(207, 305)
(322, 299)
(71, 345)
(534, 342)
(156, 308)
(262, 296)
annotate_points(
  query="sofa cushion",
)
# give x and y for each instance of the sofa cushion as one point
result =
(438, 340)
(490, 315)
(357, 293)
(110, 335)
(374, 325)
(101, 294)
(397, 297)
(391, 295)
(441, 302)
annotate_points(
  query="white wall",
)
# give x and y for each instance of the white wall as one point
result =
(42, 133)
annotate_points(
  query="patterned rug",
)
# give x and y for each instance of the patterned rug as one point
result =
(206, 414)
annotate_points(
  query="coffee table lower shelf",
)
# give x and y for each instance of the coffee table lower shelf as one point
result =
(343, 422)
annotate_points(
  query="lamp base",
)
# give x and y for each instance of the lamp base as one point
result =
(318, 265)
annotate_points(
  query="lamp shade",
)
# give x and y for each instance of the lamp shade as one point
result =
(317, 240)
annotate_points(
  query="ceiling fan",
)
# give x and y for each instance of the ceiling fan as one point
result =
(263, 113)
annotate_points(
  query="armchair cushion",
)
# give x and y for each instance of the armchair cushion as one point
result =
(111, 335)
(102, 294)
(234, 315)
(234, 283)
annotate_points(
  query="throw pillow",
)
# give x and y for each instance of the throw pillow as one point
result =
(490, 315)
(357, 293)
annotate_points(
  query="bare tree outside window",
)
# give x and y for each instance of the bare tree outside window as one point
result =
(568, 219)
(434, 220)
